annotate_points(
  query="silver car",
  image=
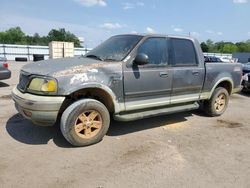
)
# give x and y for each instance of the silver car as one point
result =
(5, 73)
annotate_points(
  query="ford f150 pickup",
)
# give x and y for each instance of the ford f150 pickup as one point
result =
(128, 77)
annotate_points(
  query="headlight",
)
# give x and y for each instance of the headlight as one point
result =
(43, 86)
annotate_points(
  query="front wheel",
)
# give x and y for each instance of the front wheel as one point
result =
(85, 122)
(217, 104)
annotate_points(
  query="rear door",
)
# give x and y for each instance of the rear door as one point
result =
(188, 73)
(148, 85)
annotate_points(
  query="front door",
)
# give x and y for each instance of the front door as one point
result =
(149, 85)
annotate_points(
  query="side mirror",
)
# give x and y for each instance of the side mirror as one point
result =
(141, 59)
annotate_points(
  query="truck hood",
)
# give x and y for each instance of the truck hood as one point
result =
(55, 67)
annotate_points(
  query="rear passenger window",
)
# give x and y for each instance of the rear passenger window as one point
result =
(156, 50)
(184, 52)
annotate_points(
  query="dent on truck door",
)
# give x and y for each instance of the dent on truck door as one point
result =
(148, 85)
(188, 74)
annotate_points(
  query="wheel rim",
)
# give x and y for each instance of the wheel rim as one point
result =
(220, 102)
(88, 124)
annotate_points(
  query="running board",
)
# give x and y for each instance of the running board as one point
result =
(155, 112)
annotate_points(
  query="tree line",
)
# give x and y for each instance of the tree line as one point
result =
(225, 47)
(17, 36)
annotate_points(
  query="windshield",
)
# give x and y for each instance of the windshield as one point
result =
(115, 48)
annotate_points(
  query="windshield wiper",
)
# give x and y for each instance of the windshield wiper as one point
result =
(95, 57)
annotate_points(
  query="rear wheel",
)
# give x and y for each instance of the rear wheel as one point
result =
(217, 104)
(85, 122)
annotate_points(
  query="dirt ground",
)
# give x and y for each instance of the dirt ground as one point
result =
(181, 150)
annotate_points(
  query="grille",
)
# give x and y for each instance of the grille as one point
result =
(248, 77)
(23, 82)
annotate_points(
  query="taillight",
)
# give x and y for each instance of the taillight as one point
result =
(5, 65)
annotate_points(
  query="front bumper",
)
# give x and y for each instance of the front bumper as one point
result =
(41, 110)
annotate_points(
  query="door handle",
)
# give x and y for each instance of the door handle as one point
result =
(195, 73)
(163, 74)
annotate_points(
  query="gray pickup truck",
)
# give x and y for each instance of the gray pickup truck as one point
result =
(128, 77)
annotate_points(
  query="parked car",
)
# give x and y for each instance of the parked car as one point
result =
(246, 77)
(5, 73)
(212, 59)
(129, 77)
(227, 59)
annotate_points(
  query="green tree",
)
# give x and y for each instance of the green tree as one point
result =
(17, 36)
(63, 35)
(243, 46)
(225, 47)
(218, 46)
(211, 46)
(36, 38)
(13, 36)
(204, 47)
(229, 48)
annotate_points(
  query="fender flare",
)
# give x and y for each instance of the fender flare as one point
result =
(227, 79)
(92, 85)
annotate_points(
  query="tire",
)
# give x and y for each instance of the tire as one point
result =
(213, 107)
(80, 122)
(21, 59)
(244, 88)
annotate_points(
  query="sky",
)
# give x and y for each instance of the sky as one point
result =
(93, 21)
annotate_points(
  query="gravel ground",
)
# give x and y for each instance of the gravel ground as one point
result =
(180, 150)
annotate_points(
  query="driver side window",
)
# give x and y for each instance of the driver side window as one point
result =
(156, 50)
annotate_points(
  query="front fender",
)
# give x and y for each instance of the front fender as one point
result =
(118, 106)
(92, 85)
